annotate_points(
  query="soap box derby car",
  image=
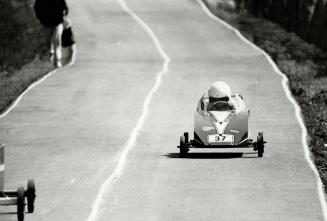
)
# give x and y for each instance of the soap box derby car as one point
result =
(223, 126)
(17, 198)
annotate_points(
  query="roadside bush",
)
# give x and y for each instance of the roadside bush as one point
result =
(20, 33)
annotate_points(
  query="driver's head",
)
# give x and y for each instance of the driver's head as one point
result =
(219, 91)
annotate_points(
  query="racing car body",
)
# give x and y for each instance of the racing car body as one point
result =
(221, 125)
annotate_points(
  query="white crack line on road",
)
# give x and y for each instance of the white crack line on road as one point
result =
(30, 87)
(289, 97)
(107, 185)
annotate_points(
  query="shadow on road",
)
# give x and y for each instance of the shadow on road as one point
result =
(207, 155)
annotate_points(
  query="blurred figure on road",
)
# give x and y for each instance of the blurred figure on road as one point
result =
(51, 14)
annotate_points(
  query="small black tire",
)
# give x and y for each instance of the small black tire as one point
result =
(182, 147)
(260, 152)
(186, 137)
(260, 144)
(30, 195)
(20, 204)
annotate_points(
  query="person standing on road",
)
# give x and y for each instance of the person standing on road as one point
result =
(51, 15)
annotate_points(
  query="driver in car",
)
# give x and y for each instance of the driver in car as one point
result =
(220, 97)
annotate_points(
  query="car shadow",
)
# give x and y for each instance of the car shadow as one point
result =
(207, 155)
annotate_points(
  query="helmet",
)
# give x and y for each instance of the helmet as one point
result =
(219, 90)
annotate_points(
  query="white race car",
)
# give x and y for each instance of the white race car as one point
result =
(221, 126)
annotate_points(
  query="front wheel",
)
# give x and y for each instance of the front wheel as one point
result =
(20, 203)
(30, 195)
(182, 147)
(260, 144)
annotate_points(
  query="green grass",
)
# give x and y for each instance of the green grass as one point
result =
(23, 50)
(304, 64)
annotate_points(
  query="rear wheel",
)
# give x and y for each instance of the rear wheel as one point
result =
(182, 147)
(20, 203)
(260, 144)
(30, 195)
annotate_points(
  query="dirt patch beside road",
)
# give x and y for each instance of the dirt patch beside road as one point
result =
(304, 64)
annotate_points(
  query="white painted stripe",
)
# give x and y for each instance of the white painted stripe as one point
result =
(221, 127)
(290, 97)
(220, 117)
(2, 167)
(107, 185)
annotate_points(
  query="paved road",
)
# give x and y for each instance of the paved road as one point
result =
(69, 132)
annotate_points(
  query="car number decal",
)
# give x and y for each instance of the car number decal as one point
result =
(221, 138)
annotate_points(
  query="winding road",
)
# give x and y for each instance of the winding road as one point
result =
(100, 137)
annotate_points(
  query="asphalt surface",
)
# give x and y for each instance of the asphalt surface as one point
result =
(69, 132)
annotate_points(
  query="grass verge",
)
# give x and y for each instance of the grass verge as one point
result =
(305, 66)
(23, 50)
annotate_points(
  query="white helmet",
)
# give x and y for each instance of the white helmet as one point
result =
(219, 89)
